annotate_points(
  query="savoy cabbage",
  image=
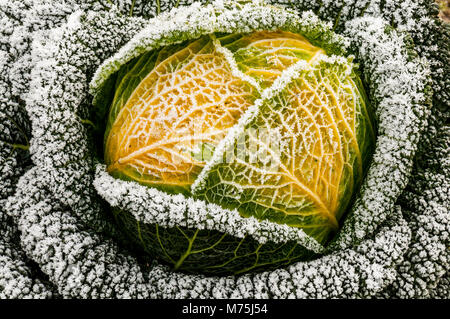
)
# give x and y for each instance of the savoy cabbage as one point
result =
(58, 236)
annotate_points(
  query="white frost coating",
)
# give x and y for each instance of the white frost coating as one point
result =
(151, 206)
(109, 272)
(228, 55)
(171, 28)
(280, 83)
(397, 84)
(336, 275)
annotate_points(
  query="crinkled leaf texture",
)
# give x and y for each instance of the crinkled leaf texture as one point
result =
(383, 250)
(155, 98)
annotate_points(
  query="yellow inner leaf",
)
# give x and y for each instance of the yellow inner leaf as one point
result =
(271, 52)
(187, 103)
(188, 99)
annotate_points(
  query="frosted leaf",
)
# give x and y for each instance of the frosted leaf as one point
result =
(160, 133)
(265, 55)
(310, 139)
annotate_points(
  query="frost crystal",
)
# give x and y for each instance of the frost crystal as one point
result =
(56, 238)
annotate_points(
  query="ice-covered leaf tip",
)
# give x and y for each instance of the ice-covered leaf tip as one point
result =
(264, 122)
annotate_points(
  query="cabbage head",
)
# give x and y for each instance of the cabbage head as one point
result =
(264, 123)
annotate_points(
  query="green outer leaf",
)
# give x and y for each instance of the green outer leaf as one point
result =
(216, 253)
